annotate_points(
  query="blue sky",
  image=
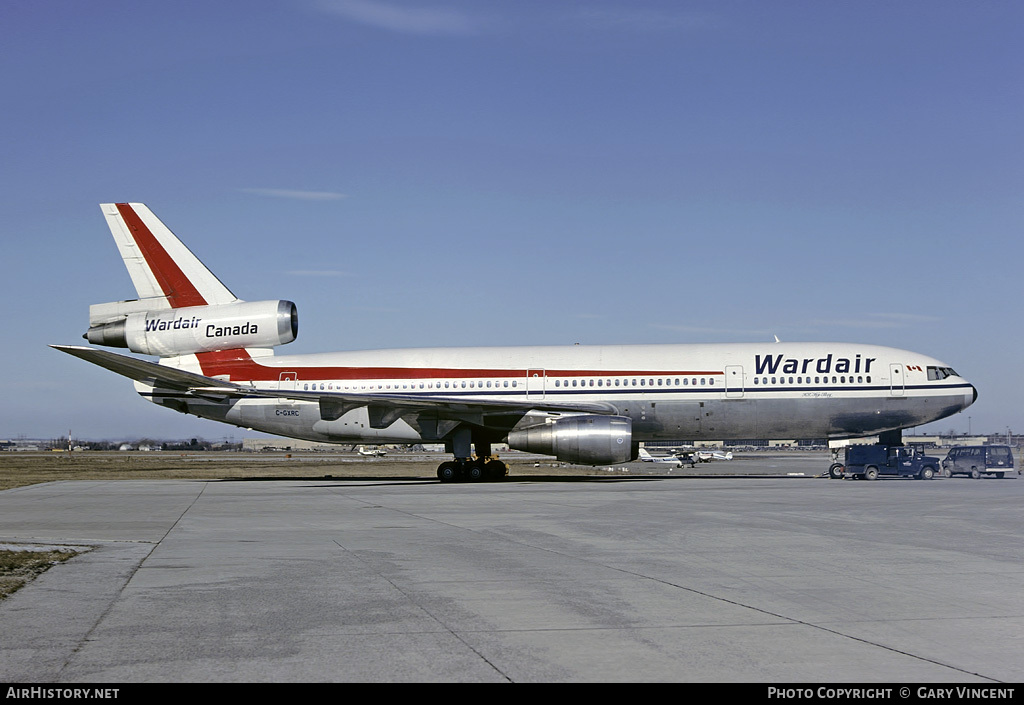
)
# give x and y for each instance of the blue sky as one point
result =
(520, 172)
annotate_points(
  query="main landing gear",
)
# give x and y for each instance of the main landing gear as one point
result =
(483, 467)
(472, 470)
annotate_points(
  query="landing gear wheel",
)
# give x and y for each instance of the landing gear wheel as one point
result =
(495, 470)
(447, 472)
(836, 471)
(476, 472)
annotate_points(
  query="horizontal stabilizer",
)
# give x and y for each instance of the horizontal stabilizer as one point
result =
(150, 372)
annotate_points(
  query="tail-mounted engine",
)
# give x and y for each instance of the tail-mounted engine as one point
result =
(194, 329)
(587, 439)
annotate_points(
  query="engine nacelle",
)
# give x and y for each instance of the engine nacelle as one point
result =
(194, 329)
(588, 439)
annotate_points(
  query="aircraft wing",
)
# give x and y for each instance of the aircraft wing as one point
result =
(384, 408)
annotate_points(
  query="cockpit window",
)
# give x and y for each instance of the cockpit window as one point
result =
(936, 373)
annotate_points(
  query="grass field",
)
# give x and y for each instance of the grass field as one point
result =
(18, 567)
(18, 469)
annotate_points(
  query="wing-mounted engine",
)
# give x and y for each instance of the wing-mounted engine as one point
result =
(192, 329)
(589, 439)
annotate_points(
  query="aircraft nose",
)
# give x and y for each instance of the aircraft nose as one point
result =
(971, 398)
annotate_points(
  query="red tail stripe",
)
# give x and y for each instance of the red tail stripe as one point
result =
(175, 285)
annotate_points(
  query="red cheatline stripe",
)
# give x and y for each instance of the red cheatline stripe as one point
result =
(176, 286)
(240, 367)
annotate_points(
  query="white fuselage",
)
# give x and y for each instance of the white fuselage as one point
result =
(671, 392)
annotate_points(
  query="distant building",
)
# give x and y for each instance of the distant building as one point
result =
(21, 444)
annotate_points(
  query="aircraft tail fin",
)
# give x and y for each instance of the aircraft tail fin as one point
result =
(164, 271)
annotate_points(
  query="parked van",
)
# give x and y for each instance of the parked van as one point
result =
(870, 461)
(978, 460)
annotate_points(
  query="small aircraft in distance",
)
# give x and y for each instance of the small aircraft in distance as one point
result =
(707, 455)
(373, 453)
(646, 457)
(680, 457)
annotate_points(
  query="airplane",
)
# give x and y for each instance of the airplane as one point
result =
(681, 456)
(375, 453)
(646, 457)
(584, 404)
(708, 455)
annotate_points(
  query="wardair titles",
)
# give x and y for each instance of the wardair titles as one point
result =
(212, 330)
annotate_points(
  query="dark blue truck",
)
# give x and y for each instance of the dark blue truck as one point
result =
(870, 461)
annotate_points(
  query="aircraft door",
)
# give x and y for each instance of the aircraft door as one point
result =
(896, 383)
(535, 384)
(734, 381)
(287, 381)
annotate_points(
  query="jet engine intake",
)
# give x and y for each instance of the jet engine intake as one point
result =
(588, 439)
(195, 329)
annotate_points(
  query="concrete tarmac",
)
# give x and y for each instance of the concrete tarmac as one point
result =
(722, 579)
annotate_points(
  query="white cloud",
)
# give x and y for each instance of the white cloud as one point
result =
(295, 194)
(409, 18)
(877, 320)
(645, 20)
(701, 330)
(318, 273)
